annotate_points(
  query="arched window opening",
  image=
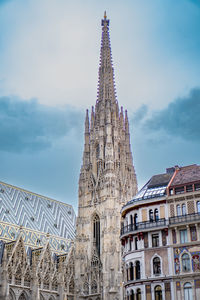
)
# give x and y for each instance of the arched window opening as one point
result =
(188, 291)
(96, 233)
(131, 221)
(183, 209)
(127, 296)
(132, 295)
(137, 266)
(198, 207)
(135, 220)
(158, 292)
(94, 287)
(127, 272)
(130, 244)
(97, 151)
(131, 271)
(11, 294)
(136, 243)
(178, 210)
(119, 150)
(151, 215)
(23, 296)
(156, 216)
(71, 286)
(156, 266)
(185, 262)
(138, 294)
(86, 288)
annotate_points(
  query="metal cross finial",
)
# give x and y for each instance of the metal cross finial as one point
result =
(105, 15)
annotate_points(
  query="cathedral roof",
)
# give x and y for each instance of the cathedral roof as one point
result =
(38, 216)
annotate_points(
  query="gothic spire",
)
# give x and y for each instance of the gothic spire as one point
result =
(106, 86)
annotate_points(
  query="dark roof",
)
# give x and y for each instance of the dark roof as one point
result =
(160, 180)
(186, 174)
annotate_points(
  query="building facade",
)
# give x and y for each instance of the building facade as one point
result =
(160, 236)
(107, 181)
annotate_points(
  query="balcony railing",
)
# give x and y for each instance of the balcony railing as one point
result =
(143, 225)
(184, 218)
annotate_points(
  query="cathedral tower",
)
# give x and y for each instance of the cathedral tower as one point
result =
(107, 181)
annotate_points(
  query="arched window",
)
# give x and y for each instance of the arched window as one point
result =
(178, 210)
(96, 233)
(156, 266)
(131, 271)
(127, 296)
(198, 207)
(156, 216)
(94, 287)
(151, 215)
(86, 288)
(138, 294)
(135, 220)
(136, 243)
(97, 151)
(183, 209)
(11, 294)
(188, 291)
(137, 267)
(185, 262)
(131, 220)
(158, 292)
(71, 286)
(23, 296)
(127, 272)
(132, 295)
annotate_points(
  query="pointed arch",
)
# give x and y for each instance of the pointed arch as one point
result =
(11, 294)
(27, 277)
(86, 288)
(71, 286)
(94, 287)
(23, 296)
(96, 232)
(55, 283)
(41, 297)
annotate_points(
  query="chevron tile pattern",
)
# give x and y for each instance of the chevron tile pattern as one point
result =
(37, 215)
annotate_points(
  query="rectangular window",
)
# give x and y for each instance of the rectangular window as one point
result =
(130, 244)
(183, 236)
(155, 240)
(164, 238)
(146, 244)
(179, 190)
(174, 236)
(193, 233)
(189, 188)
(197, 186)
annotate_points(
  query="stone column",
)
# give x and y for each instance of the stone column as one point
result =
(177, 235)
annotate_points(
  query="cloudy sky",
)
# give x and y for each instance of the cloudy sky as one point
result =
(49, 56)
